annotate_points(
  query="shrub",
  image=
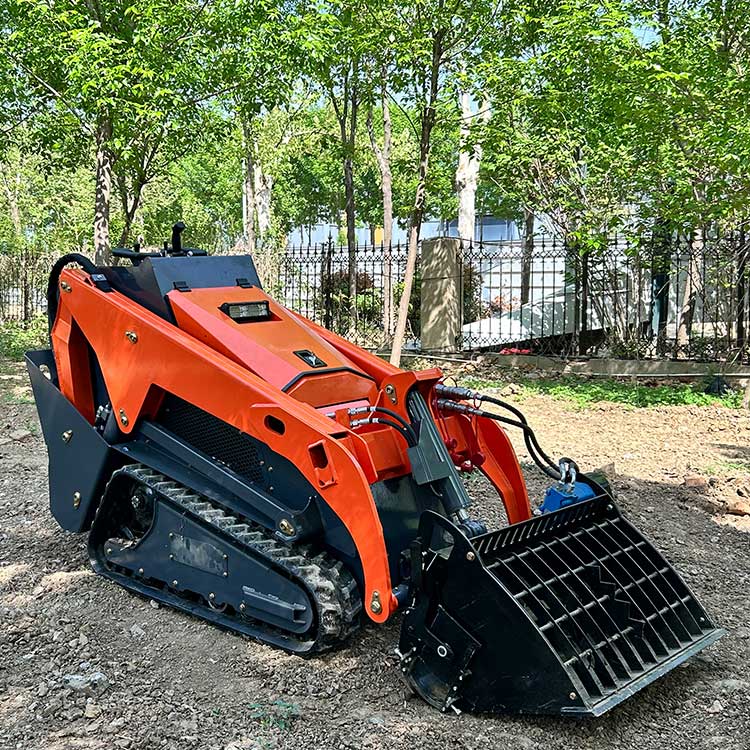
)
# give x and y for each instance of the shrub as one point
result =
(369, 300)
(16, 337)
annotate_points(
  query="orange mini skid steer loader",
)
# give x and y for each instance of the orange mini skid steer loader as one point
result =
(233, 460)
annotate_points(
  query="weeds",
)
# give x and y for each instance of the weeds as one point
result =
(17, 338)
(728, 467)
(14, 383)
(584, 393)
(276, 715)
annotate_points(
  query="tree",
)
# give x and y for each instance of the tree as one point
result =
(335, 44)
(469, 159)
(40, 206)
(258, 58)
(382, 154)
(130, 74)
(428, 38)
(696, 174)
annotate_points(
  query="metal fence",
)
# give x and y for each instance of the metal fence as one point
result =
(23, 285)
(686, 298)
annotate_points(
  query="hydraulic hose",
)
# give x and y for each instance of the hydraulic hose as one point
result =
(408, 437)
(529, 435)
(53, 289)
(538, 455)
(532, 444)
(549, 469)
(389, 412)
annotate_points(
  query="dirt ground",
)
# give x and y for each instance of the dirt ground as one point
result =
(175, 682)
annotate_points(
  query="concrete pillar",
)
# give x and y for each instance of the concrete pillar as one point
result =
(441, 313)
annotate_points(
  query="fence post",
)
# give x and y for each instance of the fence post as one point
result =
(25, 291)
(741, 255)
(326, 284)
(583, 321)
(661, 262)
(440, 312)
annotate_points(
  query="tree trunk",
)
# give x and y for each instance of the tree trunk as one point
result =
(385, 167)
(265, 255)
(263, 189)
(103, 193)
(741, 259)
(351, 240)
(11, 193)
(248, 189)
(689, 296)
(528, 255)
(383, 158)
(351, 236)
(467, 172)
(130, 204)
(415, 223)
(660, 267)
(346, 115)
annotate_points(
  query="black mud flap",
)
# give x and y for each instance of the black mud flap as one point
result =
(80, 460)
(568, 613)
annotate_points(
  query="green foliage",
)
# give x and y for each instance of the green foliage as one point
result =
(276, 715)
(609, 115)
(308, 187)
(200, 189)
(53, 207)
(584, 393)
(18, 338)
(335, 290)
(605, 115)
(728, 467)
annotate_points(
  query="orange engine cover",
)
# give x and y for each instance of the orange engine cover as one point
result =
(277, 349)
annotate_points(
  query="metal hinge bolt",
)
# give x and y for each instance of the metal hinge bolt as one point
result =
(67, 435)
(375, 606)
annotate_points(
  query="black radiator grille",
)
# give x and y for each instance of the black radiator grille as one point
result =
(607, 602)
(212, 436)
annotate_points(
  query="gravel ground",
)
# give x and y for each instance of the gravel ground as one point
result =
(172, 681)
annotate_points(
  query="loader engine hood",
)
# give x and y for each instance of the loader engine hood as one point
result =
(219, 300)
(273, 344)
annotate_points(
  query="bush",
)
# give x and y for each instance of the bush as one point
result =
(585, 392)
(369, 299)
(16, 337)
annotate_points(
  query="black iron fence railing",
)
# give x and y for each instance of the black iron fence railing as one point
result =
(677, 299)
(23, 285)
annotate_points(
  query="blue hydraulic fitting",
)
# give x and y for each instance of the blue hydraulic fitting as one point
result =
(561, 495)
(567, 491)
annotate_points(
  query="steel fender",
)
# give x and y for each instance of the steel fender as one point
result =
(142, 356)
